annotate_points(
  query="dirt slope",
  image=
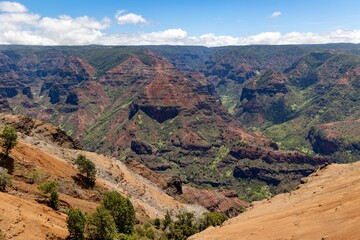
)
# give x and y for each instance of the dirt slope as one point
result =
(36, 159)
(22, 218)
(327, 207)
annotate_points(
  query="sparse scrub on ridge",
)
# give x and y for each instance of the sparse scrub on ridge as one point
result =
(5, 180)
(52, 188)
(8, 139)
(86, 168)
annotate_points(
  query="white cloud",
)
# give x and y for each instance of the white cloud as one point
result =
(22, 27)
(12, 7)
(276, 14)
(129, 18)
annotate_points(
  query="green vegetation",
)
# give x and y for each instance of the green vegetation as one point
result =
(8, 139)
(101, 225)
(257, 195)
(291, 135)
(223, 151)
(86, 167)
(75, 221)
(121, 210)
(5, 181)
(211, 219)
(34, 176)
(114, 216)
(186, 224)
(52, 188)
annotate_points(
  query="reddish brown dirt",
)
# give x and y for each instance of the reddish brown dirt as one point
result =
(22, 218)
(23, 210)
(327, 207)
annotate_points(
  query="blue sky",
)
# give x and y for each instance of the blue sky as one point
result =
(181, 22)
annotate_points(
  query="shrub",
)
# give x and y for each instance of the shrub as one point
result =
(263, 193)
(157, 223)
(211, 219)
(183, 227)
(9, 139)
(101, 225)
(5, 181)
(86, 167)
(122, 211)
(76, 224)
(52, 188)
(167, 220)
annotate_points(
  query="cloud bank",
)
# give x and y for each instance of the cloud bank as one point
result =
(12, 7)
(123, 18)
(19, 26)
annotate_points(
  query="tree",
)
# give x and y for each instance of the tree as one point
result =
(122, 211)
(167, 220)
(52, 188)
(157, 223)
(101, 225)
(86, 167)
(76, 220)
(185, 226)
(9, 139)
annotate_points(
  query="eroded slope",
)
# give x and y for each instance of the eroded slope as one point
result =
(325, 207)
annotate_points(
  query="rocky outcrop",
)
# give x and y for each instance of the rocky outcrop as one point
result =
(226, 201)
(270, 156)
(263, 100)
(159, 113)
(72, 98)
(270, 175)
(33, 127)
(189, 140)
(4, 105)
(140, 147)
(174, 186)
(27, 92)
(332, 137)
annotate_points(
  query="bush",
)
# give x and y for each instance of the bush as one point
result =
(52, 188)
(5, 180)
(182, 228)
(157, 223)
(167, 220)
(212, 219)
(86, 167)
(263, 193)
(146, 231)
(9, 139)
(122, 211)
(101, 225)
(76, 224)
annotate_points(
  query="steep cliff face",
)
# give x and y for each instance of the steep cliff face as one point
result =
(173, 122)
(139, 106)
(44, 131)
(334, 137)
(263, 100)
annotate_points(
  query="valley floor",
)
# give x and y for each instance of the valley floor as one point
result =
(327, 207)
